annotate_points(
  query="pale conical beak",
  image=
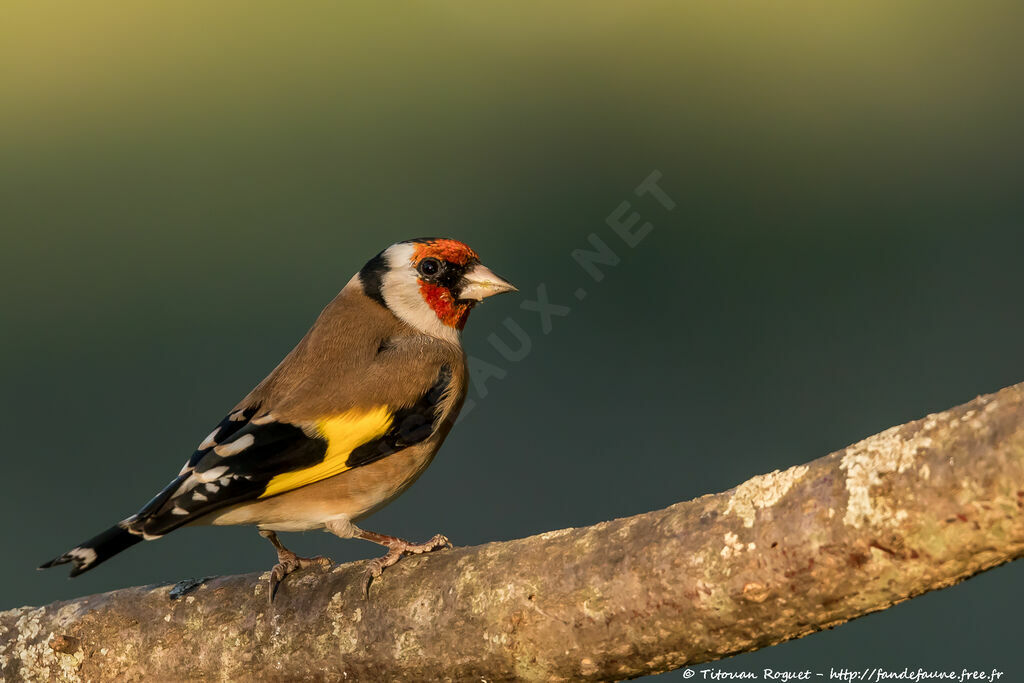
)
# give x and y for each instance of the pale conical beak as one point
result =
(480, 282)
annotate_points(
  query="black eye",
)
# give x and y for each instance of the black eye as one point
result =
(429, 266)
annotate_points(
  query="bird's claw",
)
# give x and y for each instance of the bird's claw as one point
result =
(375, 569)
(287, 565)
(396, 550)
(436, 543)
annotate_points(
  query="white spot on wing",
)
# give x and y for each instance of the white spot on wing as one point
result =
(235, 447)
(85, 556)
(139, 532)
(186, 485)
(266, 418)
(180, 511)
(212, 474)
(210, 441)
(196, 495)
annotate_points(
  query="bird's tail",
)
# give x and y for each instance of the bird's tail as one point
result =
(96, 550)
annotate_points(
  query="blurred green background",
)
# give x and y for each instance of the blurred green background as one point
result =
(184, 186)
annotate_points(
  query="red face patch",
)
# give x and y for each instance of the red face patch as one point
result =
(449, 310)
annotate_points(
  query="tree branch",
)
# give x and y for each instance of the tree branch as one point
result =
(918, 507)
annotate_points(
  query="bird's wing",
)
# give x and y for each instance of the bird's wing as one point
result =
(255, 454)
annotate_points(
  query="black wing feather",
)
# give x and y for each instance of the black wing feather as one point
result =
(278, 447)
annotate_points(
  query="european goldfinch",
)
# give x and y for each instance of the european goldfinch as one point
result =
(347, 421)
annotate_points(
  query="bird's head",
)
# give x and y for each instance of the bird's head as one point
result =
(431, 283)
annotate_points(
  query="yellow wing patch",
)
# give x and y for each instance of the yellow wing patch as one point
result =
(343, 433)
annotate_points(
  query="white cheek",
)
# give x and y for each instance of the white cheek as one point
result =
(400, 288)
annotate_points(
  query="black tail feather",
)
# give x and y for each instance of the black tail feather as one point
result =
(96, 550)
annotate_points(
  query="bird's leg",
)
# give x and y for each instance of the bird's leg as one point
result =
(397, 547)
(288, 562)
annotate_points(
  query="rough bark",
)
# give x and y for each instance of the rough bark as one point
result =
(918, 507)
